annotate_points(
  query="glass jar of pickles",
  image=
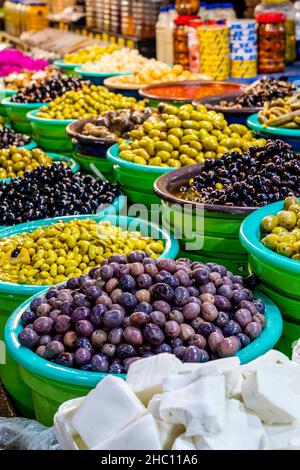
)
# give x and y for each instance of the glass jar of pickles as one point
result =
(181, 49)
(271, 42)
(287, 8)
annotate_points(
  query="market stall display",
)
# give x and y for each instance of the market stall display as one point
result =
(281, 112)
(277, 275)
(56, 188)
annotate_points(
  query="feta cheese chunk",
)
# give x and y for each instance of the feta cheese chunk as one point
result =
(168, 433)
(142, 434)
(269, 398)
(106, 410)
(153, 406)
(271, 357)
(184, 443)
(145, 377)
(243, 431)
(200, 406)
(286, 437)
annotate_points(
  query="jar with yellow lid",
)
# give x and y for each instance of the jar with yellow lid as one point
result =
(287, 8)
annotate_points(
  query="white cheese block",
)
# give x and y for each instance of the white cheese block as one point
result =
(145, 377)
(106, 410)
(243, 431)
(270, 399)
(200, 406)
(153, 406)
(296, 352)
(189, 372)
(142, 434)
(271, 357)
(285, 437)
(168, 433)
(184, 443)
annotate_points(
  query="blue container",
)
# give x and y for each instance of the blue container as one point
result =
(98, 78)
(52, 384)
(290, 136)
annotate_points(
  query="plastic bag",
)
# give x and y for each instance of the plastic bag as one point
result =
(26, 434)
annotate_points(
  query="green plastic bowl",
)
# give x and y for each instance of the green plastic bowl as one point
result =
(52, 384)
(278, 276)
(67, 69)
(17, 114)
(5, 94)
(290, 136)
(216, 227)
(94, 165)
(11, 295)
(50, 134)
(98, 78)
(136, 180)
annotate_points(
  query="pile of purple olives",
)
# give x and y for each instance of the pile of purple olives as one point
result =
(132, 307)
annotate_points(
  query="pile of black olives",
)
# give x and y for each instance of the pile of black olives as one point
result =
(9, 137)
(259, 177)
(51, 192)
(134, 307)
(48, 89)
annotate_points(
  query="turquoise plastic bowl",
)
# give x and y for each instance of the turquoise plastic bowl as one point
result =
(56, 158)
(98, 78)
(17, 114)
(30, 146)
(290, 136)
(52, 384)
(279, 277)
(68, 69)
(5, 94)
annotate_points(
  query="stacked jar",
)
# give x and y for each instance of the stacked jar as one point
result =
(271, 42)
(187, 12)
(287, 8)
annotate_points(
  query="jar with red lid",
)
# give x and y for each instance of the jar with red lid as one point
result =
(181, 50)
(193, 45)
(271, 42)
(187, 7)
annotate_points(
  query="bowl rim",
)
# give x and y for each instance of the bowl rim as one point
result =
(220, 109)
(250, 238)
(32, 116)
(61, 63)
(171, 244)
(133, 166)
(6, 102)
(86, 138)
(86, 73)
(144, 91)
(161, 189)
(255, 125)
(42, 367)
(108, 82)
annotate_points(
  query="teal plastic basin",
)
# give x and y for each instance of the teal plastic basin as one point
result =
(52, 384)
(50, 134)
(98, 78)
(279, 276)
(67, 69)
(290, 136)
(17, 114)
(93, 165)
(11, 295)
(136, 181)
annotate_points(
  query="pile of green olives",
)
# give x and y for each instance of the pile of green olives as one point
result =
(88, 102)
(186, 135)
(283, 230)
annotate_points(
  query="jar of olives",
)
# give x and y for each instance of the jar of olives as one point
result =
(181, 50)
(271, 42)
